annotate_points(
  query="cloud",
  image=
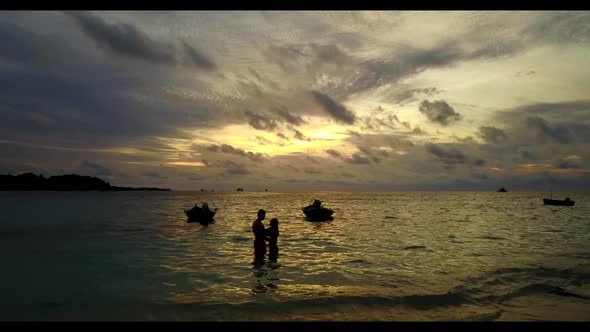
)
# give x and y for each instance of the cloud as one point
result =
(289, 117)
(419, 131)
(299, 135)
(526, 155)
(226, 148)
(197, 59)
(380, 120)
(233, 168)
(559, 134)
(334, 153)
(566, 163)
(439, 112)
(358, 159)
(449, 156)
(525, 73)
(260, 122)
(492, 134)
(263, 141)
(480, 176)
(126, 40)
(310, 170)
(334, 109)
(94, 169)
(153, 174)
(24, 46)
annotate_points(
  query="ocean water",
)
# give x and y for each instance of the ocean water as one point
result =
(407, 256)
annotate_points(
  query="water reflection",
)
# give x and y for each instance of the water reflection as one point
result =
(265, 273)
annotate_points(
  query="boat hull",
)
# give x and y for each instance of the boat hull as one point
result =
(547, 201)
(198, 215)
(318, 214)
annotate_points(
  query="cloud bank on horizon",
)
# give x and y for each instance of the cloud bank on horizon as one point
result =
(299, 100)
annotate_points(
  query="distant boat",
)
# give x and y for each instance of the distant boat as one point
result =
(502, 190)
(561, 202)
(202, 215)
(240, 189)
(316, 212)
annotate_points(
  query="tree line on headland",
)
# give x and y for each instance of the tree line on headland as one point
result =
(69, 182)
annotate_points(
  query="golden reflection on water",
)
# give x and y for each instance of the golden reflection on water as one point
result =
(382, 245)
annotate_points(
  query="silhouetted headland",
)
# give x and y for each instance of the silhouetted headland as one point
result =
(69, 182)
(502, 190)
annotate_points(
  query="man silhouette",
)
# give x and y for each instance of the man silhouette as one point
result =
(259, 233)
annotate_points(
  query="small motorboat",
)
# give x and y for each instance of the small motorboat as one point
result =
(202, 214)
(561, 202)
(316, 212)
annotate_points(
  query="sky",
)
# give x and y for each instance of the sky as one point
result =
(299, 101)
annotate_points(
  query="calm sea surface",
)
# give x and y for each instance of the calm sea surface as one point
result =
(385, 256)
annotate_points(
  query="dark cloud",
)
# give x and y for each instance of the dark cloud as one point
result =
(328, 53)
(197, 59)
(525, 73)
(289, 117)
(563, 123)
(284, 56)
(153, 174)
(334, 153)
(334, 109)
(233, 168)
(479, 176)
(358, 159)
(283, 136)
(299, 135)
(449, 156)
(576, 108)
(566, 163)
(310, 170)
(439, 112)
(479, 162)
(313, 160)
(126, 40)
(559, 133)
(94, 169)
(260, 122)
(492, 134)
(526, 155)
(226, 148)
(56, 94)
(24, 46)
(402, 95)
(418, 131)
(263, 141)
(380, 121)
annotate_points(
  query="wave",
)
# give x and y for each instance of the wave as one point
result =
(414, 247)
(492, 238)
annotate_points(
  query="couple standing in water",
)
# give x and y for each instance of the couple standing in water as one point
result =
(261, 235)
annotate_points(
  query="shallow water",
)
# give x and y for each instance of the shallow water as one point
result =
(385, 256)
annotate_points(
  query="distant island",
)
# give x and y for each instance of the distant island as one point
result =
(502, 190)
(70, 182)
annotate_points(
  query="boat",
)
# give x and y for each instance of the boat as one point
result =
(561, 202)
(202, 214)
(316, 212)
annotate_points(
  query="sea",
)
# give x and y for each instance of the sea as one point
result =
(396, 256)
